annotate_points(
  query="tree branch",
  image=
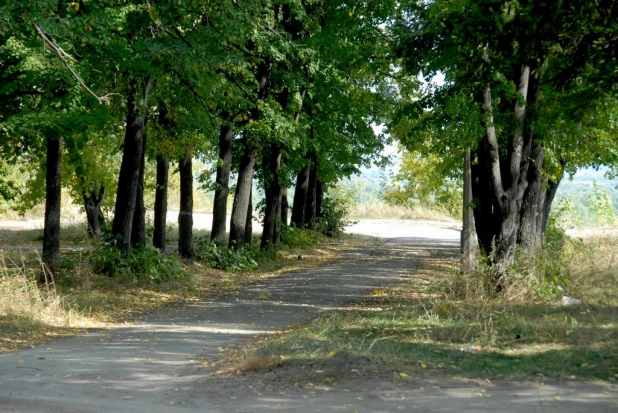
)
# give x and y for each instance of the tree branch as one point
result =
(492, 146)
(60, 53)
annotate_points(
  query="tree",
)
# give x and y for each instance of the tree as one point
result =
(500, 59)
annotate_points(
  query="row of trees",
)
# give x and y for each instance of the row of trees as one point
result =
(285, 91)
(282, 91)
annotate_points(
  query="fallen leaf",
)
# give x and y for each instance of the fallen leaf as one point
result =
(331, 354)
(402, 374)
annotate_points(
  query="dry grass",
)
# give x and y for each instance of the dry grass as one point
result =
(30, 314)
(526, 333)
(381, 210)
(254, 363)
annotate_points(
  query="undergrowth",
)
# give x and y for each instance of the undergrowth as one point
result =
(223, 257)
(141, 264)
(444, 323)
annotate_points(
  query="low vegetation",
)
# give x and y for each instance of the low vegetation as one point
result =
(444, 324)
(95, 284)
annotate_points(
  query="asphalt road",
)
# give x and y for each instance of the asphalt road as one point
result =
(155, 365)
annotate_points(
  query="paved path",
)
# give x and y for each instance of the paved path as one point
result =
(155, 365)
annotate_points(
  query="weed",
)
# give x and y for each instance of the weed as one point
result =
(143, 264)
(333, 220)
(298, 237)
(223, 257)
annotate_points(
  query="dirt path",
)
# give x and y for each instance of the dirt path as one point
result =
(156, 365)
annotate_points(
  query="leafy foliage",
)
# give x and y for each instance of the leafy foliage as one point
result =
(141, 264)
(601, 205)
(223, 257)
(298, 237)
(333, 220)
(422, 180)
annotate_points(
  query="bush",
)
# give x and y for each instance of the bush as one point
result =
(298, 237)
(542, 275)
(224, 257)
(333, 220)
(143, 264)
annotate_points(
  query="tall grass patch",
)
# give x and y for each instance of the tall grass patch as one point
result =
(447, 324)
(27, 312)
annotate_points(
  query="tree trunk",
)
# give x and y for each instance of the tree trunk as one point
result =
(550, 194)
(94, 215)
(138, 232)
(468, 243)
(505, 180)
(486, 222)
(247, 163)
(278, 221)
(243, 195)
(159, 236)
(249, 221)
(300, 197)
(284, 207)
(272, 162)
(53, 187)
(319, 198)
(185, 216)
(128, 178)
(310, 202)
(219, 211)
(529, 236)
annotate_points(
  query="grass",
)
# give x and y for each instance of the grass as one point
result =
(381, 210)
(418, 329)
(30, 314)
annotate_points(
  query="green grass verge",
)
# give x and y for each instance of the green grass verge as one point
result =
(418, 330)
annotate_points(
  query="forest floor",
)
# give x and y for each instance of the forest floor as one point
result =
(186, 358)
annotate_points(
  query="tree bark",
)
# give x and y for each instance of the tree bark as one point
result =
(550, 194)
(138, 232)
(128, 178)
(53, 191)
(272, 162)
(320, 187)
(530, 236)
(310, 202)
(159, 236)
(222, 181)
(278, 222)
(468, 244)
(249, 221)
(284, 207)
(185, 216)
(300, 197)
(243, 195)
(94, 215)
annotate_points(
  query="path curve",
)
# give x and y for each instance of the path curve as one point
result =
(155, 365)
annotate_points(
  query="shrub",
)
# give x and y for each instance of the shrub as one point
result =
(223, 257)
(143, 264)
(333, 220)
(298, 237)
